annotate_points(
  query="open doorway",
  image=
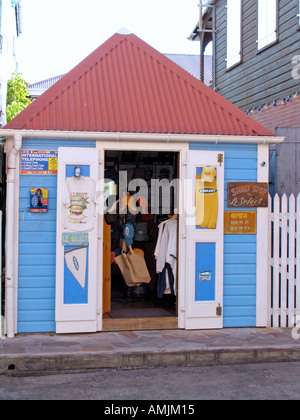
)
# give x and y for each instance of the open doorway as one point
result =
(141, 211)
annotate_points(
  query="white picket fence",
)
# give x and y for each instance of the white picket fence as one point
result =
(284, 261)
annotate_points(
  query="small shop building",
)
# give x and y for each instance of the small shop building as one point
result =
(136, 199)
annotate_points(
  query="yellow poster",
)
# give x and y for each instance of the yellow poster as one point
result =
(207, 198)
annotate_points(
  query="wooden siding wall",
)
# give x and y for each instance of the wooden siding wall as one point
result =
(37, 250)
(261, 77)
(287, 169)
(239, 250)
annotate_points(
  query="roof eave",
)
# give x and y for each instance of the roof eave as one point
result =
(140, 137)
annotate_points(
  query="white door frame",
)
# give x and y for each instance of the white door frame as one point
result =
(182, 149)
(262, 247)
(75, 318)
(203, 314)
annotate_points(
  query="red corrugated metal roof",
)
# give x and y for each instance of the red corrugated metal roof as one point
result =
(127, 86)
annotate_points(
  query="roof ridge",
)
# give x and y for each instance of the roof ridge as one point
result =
(127, 94)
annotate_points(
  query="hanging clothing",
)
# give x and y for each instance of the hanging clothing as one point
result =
(172, 250)
(166, 280)
(79, 199)
(166, 257)
(163, 244)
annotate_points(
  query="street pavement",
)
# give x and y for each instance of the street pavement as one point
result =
(59, 354)
(149, 391)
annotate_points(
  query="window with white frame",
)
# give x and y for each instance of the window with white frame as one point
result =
(267, 22)
(234, 32)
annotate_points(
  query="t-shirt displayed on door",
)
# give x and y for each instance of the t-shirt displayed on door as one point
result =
(79, 200)
(207, 198)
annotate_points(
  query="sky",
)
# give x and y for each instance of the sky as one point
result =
(59, 34)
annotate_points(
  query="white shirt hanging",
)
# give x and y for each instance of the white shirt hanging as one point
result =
(163, 245)
(79, 200)
(166, 250)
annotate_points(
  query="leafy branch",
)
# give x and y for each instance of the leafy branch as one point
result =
(17, 96)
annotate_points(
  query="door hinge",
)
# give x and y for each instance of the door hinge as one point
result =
(220, 158)
(219, 310)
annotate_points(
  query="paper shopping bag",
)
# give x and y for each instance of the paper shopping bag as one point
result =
(133, 267)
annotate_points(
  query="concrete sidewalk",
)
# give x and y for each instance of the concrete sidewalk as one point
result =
(51, 353)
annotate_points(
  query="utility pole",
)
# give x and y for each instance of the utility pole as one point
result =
(201, 35)
(3, 86)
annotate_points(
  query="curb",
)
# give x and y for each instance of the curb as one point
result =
(75, 363)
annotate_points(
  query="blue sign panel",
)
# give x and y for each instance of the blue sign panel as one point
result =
(205, 282)
(39, 162)
(76, 275)
(75, 239)
(76, 247)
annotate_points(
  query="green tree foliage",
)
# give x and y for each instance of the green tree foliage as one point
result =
(17, 96)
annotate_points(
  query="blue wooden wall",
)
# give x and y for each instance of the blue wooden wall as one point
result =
(36, 277)
(239, 250)
(37, 250)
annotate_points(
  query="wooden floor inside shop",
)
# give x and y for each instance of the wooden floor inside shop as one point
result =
(145, 313)
(139, 324)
